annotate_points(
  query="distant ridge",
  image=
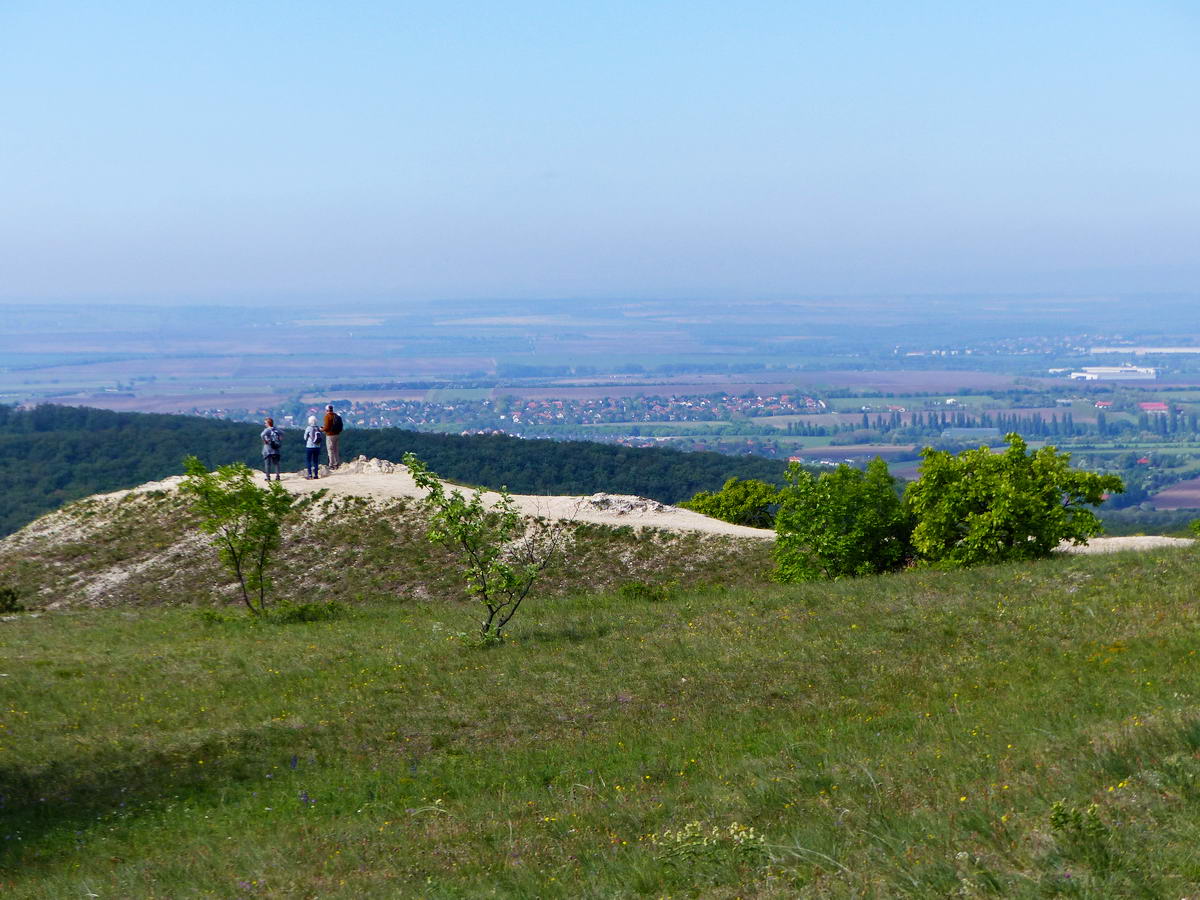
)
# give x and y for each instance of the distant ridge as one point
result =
(51, 455)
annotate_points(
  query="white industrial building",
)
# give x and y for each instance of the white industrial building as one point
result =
(1115, 373)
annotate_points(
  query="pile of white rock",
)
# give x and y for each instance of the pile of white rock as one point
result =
(622, 505)
(364, 466)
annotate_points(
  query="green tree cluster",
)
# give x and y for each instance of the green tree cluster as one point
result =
(965, 509)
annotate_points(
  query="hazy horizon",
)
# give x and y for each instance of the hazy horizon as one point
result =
(192, 153)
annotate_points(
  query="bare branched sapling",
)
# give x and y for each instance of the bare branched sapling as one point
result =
(500, 552)
(244, 519)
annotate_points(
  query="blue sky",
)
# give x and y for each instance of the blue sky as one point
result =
(277, 151)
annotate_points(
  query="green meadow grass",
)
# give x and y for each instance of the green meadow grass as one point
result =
(902, 736)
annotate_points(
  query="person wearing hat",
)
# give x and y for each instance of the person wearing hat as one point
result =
(333, 435)
(312, 448)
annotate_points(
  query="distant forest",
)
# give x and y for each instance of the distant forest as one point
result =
(51, 455)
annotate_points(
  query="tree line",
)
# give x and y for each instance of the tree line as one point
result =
(50, 455)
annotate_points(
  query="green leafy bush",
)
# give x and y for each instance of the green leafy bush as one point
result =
(742, 502)
(839, 523)
(984, 507)
(10, 601)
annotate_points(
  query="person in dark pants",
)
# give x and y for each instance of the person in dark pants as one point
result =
(272, 440)
(312, 447)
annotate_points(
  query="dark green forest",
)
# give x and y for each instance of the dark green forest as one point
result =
(51, 455)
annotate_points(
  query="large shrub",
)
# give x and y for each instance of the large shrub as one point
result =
(841, 522)
(742, 502)
(982, 507)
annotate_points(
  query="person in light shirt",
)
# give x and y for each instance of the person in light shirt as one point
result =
(313, 438)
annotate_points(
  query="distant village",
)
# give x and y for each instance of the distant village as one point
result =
(513, 414)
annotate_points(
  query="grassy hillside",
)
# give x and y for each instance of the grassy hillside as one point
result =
(54, 454)
(899, 736)
(143, 549)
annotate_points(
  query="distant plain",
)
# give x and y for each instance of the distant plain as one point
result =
(904, 368)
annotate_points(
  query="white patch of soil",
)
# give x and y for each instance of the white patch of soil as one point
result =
(1122, 544)
(381, 479)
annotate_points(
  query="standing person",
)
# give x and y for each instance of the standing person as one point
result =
(333, 436)
(312, 447)
(272, 440)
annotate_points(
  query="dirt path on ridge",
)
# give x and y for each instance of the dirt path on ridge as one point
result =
(382, 479)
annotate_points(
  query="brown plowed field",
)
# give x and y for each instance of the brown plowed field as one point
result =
(1185, 495)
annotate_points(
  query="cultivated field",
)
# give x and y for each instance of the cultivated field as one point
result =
(1184, 495)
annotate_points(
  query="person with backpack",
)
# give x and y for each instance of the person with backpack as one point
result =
(313, 436)
(333, 434)
(272, 440)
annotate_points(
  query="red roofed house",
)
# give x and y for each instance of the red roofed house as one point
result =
(1103, 404)
(1154, 407)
